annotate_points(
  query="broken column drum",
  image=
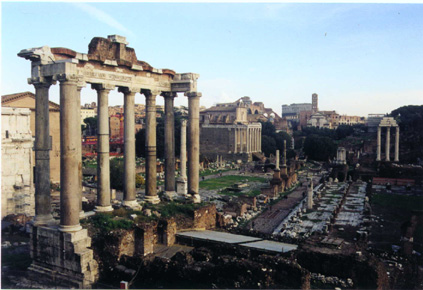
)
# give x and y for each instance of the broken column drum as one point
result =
(108, 64)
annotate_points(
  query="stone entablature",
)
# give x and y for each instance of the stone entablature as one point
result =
(108, 61)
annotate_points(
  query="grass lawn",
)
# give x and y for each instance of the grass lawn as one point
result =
(398, 201)
(228, 180)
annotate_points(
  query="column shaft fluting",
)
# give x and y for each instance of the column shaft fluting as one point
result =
(193, 145)
(388, 143)
(379, 129)
(70, 161)
(169, 144)
(129, 148)
(150, 148)
(103, 159)
(42, 155)
(396, 144)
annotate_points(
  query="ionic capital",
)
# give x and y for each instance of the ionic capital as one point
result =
(128, 90)
(41, 82)
(102, 87)
(192, 94)
(150, 93)
(169, 95)
(68, 78)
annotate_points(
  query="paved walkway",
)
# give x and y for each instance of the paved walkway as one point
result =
(267, 221)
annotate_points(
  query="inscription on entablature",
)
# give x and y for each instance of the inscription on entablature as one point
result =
(104, 76)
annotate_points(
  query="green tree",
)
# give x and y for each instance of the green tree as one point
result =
(117, 173)
(91, 125)
(319, 148)
(268, 145)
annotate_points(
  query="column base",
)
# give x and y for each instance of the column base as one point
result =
(152, 199)
(44, 220)
(196, 198)
(133, 204)
(170, 195)
(181, 186)
(396, 160)
(70, 229)
(99, 208)
(62, 259)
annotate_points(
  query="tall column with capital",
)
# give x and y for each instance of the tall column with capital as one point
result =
(193, 145)
(150, 147)
(103, 159)
(182, 180)
(388, 143)
(379, 129)
(129, 194)
(396, 144)
(169, 145)
(70, 161)
(42, 155)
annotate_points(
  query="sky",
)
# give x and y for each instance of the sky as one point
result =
(359, 58)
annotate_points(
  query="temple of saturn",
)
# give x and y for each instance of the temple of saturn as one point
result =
(388, 122)
(61, 250)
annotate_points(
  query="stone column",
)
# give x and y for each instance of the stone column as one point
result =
(236, 141)
(103, 159)
(277, 160)
(42, 155)
(182, 180)
(388, 142)
(81, 212)
(129, 194)
(259, 139)
(150, 147)
(310, 195)
(169, 145)
(193, 145)
(396, 144)
(70, 161)
(379, 129)
(241, 140)
(248, 140)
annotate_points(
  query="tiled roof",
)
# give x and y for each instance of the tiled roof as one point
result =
(8, 98)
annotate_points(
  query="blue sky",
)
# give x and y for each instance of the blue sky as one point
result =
(359, 58)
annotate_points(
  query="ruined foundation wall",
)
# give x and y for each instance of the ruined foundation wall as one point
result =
(205, 217)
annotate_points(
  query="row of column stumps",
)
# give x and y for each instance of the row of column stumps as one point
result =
(252, 140)
(387, 144)
(71, 150)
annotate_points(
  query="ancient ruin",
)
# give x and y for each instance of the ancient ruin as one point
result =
(110, 63)
(388, 122)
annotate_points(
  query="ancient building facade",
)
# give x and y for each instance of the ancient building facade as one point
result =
(27, 100)
(108, 64)
(17, 187)
(227, 131)
(232, 141)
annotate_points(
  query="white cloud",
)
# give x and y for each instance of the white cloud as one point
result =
(103, 17)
